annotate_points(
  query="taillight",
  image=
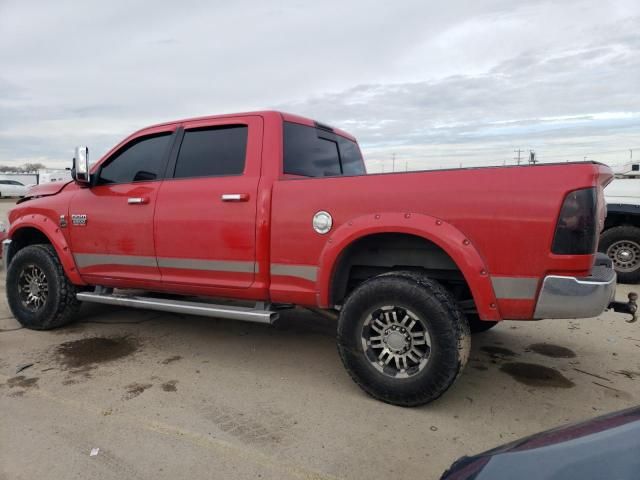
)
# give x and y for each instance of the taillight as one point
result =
(578, 224)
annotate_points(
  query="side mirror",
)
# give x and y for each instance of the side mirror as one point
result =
(80, 169)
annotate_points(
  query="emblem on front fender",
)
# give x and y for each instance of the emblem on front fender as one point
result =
(79, 220)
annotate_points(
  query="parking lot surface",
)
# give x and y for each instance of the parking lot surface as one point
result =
(170, 396)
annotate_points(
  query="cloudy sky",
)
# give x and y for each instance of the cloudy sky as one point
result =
(438, 84)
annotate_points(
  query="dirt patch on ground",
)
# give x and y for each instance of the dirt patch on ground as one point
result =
(498, 352)
(169, 360)
(135, 389)
(264, 427)
(536, 375)
(550, 350)
(22, 382)
(78, 354)
(170, 386)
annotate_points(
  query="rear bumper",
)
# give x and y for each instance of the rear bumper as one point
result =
(573, 297)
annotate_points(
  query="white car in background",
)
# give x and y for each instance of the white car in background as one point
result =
(13, 188)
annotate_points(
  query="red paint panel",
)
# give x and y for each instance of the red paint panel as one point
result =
(115, 227)
(516, 309)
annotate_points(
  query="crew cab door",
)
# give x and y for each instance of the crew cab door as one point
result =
(111, 222)
(205, 219)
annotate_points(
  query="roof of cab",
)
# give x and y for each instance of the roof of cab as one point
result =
(287, 117)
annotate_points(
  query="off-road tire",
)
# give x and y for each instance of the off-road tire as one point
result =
(61, 305)
(618, 234)
(478, 326)
(446, 325)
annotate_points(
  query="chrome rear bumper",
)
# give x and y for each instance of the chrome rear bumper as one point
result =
(573, 297)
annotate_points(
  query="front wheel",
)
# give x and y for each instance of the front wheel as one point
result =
(39, 294)
(402, 338)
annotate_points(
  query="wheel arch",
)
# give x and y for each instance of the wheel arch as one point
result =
(40, 229)
(442, 235)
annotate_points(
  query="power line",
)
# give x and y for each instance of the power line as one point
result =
(518, 157)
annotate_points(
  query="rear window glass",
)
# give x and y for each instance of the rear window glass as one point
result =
(315, 152)
(211, 152)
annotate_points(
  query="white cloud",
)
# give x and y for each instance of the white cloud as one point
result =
(461, 81)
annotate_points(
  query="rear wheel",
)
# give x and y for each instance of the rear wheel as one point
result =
(402, 338)
(39, 294)
(622, 246)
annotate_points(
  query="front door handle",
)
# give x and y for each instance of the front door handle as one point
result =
(137, 200)
(235, 197)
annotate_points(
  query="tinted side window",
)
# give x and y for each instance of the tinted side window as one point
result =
(307, 154)
(350, 157)
(141, 160)
(211, 152)
(314, 152)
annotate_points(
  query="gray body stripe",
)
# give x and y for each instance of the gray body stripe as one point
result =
(90, 259)
(515, 288)
(83, 260)
(215, 265)
(308, 272)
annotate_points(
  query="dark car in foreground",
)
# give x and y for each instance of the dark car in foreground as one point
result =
(606, 447)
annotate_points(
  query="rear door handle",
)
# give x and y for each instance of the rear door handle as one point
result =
(137, 200)
(235, 197)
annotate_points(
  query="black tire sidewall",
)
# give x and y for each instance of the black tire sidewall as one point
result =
(38, 256)
(445, 360)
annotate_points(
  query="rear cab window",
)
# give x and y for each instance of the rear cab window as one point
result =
(319, 152)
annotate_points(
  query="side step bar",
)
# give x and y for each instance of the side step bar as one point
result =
(179, 306)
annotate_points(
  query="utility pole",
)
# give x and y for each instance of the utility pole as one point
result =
(393, 162)
(518, 157)
(631, 154)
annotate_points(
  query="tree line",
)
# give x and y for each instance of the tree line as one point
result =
(26, 168)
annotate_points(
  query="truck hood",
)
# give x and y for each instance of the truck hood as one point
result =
(45, 189)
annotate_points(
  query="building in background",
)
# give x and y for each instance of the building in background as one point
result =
(48, 175)
(628, 170)
(23, 178)
(44, 175)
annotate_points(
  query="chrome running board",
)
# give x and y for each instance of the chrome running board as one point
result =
(246, 314)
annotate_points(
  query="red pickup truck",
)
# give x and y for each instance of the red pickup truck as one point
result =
(277, 210)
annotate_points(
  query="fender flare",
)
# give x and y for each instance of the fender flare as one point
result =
(441, 233)
(57, 239)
